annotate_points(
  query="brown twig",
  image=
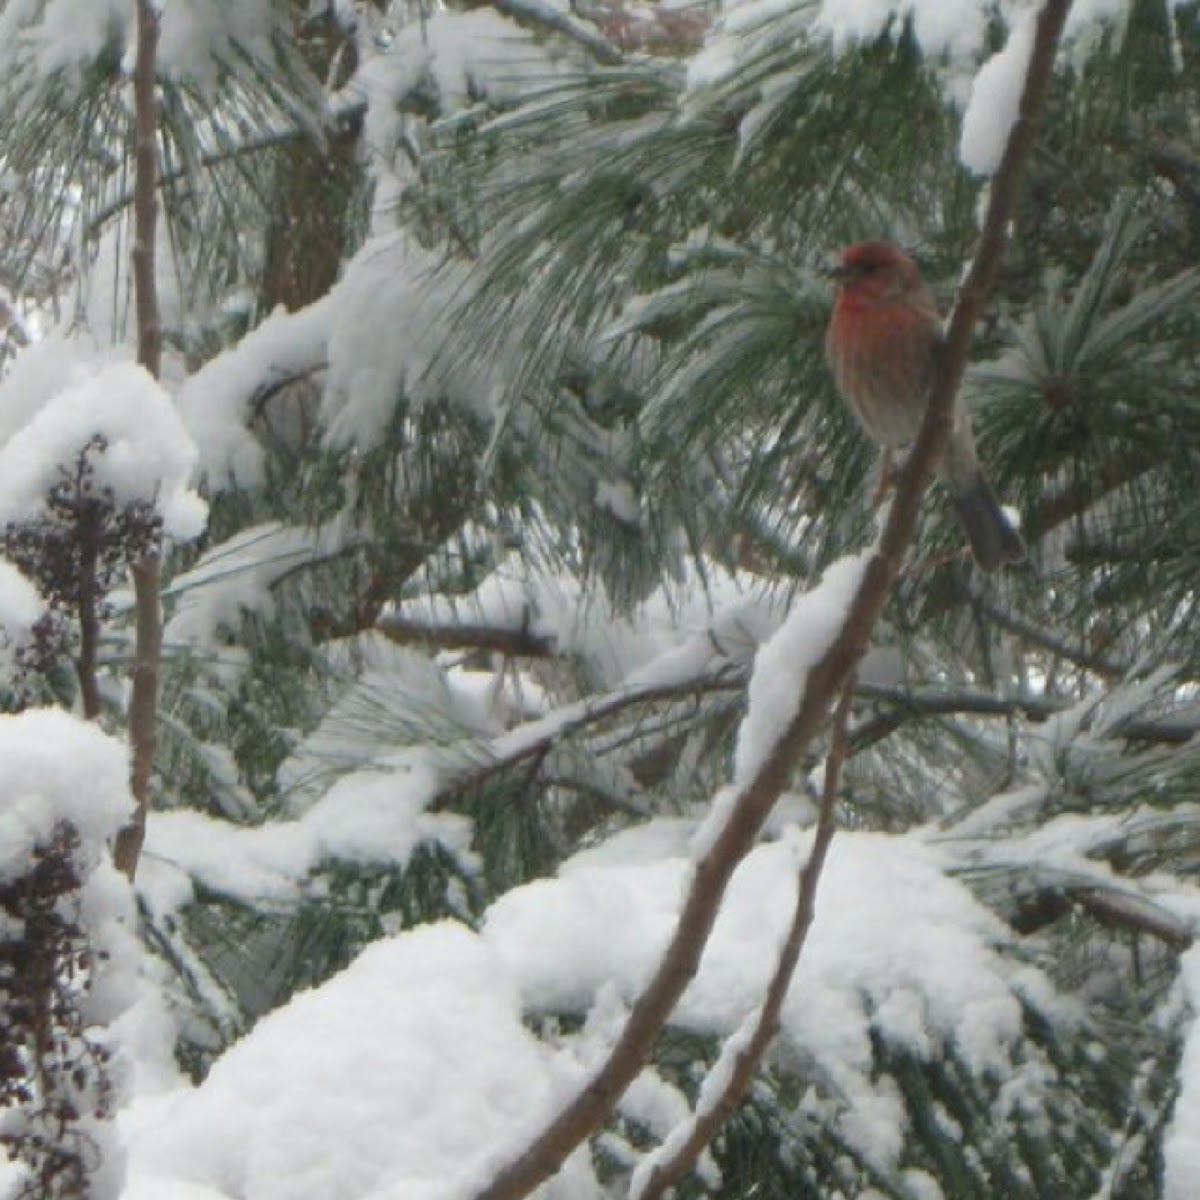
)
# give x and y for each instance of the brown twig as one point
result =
(705, 1124)
(520, 643)
(143, 703)
(580, 1116)
(532, 744)
(89, 615)
(143, 708)
(145, 188)
(910, 706)
(1118, 909)
(1038, 636)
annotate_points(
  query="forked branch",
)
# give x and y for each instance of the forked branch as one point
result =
(825, 681)
(678, 1155)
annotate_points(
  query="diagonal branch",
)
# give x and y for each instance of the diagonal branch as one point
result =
(754, 800)
(678, 1156)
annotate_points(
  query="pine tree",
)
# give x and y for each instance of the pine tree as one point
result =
(545, 404)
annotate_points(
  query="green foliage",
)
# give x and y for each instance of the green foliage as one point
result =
(634, 259)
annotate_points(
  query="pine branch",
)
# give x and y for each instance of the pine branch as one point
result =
(581, 1116)
(713, 1112)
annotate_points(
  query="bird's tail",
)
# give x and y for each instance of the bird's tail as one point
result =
(994, 540)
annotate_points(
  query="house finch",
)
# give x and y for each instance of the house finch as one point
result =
(882, 346)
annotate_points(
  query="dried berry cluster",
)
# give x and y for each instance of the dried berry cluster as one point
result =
(75, 552)
(54, 1078)
(84, 540)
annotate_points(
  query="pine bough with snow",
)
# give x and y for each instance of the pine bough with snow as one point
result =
(494, 459)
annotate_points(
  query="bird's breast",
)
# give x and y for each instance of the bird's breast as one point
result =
(883, 361)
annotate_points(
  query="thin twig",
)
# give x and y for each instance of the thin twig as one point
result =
(143, 708)
(88, 533)
(915, 705)
(580, 1116)
(681, 1154)
(521, 643)
(536, 739)
(1038, 636)
(1119, 909)
(145, 188)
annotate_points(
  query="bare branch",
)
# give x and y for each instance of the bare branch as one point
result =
(1120, 908)
(535, 740)
(143, 708)
(706, 1123)
(522, 643)
(143, 703)
(145, 188)
(1038, 636)
(580, 1116)
(89, 614)
(911, 705)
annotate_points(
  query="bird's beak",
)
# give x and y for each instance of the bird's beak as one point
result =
(839, 271)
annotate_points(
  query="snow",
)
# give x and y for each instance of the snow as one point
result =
(412, 1073)
(399, 695)
(952, 36)
(215, 402)
(714, 1085)
(1181, 1147)
(20, 607)
(69, 35)
(47, 367)
(995, 98)
(374, 815)
(235, 578)
(386, 339)
(459, 57)
(682, 631)
(147, 456)
(781, 665)
(195, 34)
(54, 767)
(401, 1079)
(956, 31)
(896, 947)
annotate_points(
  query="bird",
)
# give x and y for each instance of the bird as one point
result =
(882, 346)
